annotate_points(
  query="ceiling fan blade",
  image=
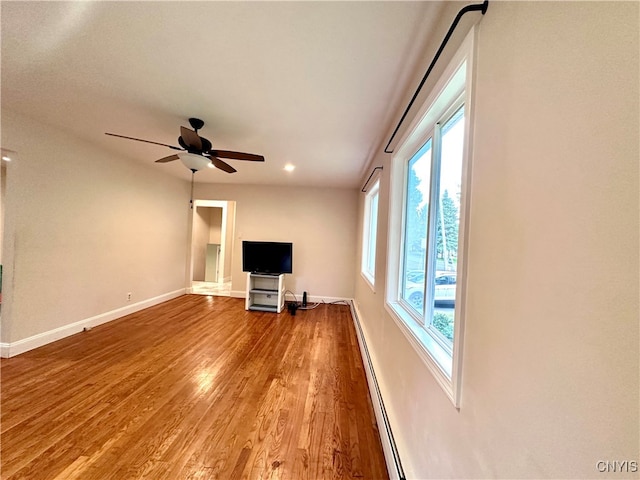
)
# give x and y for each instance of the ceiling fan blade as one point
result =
(222, 165)
(145, 141)
(191, 138)
(237, 155)
(170, 158)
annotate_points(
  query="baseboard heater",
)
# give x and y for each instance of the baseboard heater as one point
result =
(394, 462)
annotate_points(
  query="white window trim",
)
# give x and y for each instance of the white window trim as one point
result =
(445, 366)
(366, 241)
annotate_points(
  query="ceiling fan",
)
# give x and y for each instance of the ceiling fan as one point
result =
(196, 151)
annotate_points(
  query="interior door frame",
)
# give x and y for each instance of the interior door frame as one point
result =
(224, 205)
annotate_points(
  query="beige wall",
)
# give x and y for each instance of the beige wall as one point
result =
(3, 188)
(321, 223)
(229, 241)
(550, 379)
(215, 222)
(201, 233)
(82, 229)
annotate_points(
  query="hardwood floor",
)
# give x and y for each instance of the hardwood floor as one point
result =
(195, 388)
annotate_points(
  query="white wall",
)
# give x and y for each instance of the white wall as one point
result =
(550, 379)
(82, 229)
(321, 223)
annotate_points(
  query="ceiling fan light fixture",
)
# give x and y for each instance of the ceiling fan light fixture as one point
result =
(193, 161)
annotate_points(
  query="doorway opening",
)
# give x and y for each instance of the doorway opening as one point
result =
(212, 234)
(7, 157)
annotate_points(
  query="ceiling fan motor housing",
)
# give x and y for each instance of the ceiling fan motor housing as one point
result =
(196, 123)
(206, 146)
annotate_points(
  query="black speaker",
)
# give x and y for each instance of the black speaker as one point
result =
(304, 299)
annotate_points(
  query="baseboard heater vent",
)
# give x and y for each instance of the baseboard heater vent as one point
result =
(381, 413)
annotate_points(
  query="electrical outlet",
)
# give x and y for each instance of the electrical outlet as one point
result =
(129, 297)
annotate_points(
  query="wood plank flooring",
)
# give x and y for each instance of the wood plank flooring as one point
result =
(195, 388)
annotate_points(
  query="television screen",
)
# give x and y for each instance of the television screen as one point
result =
(267, 257)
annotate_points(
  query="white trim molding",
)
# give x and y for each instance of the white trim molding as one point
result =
(8, 350)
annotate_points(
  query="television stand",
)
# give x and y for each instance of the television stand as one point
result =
(265, 292)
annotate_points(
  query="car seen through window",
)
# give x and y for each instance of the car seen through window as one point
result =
(445, 289)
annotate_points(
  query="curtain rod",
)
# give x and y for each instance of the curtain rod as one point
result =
(364, 189)
(469, 8)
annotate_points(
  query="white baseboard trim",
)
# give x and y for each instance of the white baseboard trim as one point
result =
(16, 348)
(391, 455)
(314, 299)
(289, 298)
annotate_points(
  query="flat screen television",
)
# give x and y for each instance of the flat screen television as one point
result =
(267, 257)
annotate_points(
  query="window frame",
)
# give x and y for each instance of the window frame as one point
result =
(448, 114)
(369, 237)
(453, 89)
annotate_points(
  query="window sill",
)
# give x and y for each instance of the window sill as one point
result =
(369, 281)
(434, 356)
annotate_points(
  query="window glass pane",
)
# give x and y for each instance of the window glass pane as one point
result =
(373, 228)
(447, 225)
(415, 233)
(369, 233)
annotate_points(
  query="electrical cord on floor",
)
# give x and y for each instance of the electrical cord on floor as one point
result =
(343, 302)
(292, 294)
(309, 307)
(298, 305)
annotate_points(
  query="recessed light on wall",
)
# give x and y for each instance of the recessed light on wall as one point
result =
(289, 168)
(8, 155)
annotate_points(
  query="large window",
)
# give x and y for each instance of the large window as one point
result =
(370, 233)
(427, 223)
(432, 223)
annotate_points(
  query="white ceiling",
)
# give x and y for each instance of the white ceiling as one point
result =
(315, 84)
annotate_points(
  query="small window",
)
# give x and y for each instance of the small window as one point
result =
(370, 233)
